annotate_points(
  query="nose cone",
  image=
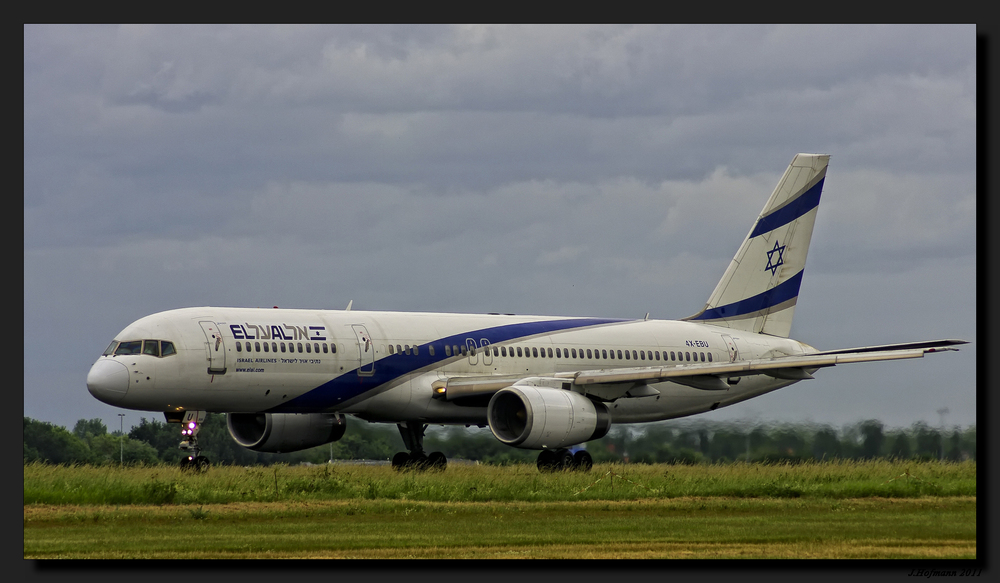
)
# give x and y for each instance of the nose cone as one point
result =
(108, 381)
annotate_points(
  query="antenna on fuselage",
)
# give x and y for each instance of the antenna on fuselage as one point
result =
(349, 304)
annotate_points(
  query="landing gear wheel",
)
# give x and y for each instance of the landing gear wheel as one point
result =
(400, 460)
(564, 460)
(412, 433)
(582, 461)
(437, 461)
(547, 461)
(201, 464)
(417, 461)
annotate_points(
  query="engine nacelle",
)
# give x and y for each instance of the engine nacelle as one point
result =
(285, 432)
(544, 418)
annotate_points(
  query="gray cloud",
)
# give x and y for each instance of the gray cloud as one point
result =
(587, 170)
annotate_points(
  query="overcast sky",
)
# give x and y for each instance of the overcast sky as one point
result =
(559, 170)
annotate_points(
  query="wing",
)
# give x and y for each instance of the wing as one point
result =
(611, 384)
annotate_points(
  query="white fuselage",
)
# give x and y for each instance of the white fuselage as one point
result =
(380, 366)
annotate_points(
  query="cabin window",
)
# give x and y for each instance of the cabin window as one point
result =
(672, 355)
(503, 351)
(167, 348)
(333, 348)
(518, 351)
(416, 350)
(656, 353)
(709, 357)
(299, 348)
(430, 349)
(239, 347)
(266, 347)
(282, 345)
(308, 347)
(324, 349)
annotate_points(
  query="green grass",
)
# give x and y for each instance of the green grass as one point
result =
(668, 528)
(88, 485)
(877, 509)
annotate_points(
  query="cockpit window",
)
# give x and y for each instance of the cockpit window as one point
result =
(131, 347)
(151, 347)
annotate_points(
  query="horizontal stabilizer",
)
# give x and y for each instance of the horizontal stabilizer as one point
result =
(933, 344)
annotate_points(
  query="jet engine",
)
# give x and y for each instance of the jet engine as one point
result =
(285, 432)
(545, 418)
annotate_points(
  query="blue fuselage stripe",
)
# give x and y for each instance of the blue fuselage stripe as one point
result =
(783, 292)
(807, 201)
(389, 368)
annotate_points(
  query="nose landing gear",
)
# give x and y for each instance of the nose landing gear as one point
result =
(190, 426)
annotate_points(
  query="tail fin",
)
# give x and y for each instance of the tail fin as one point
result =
(761, 286)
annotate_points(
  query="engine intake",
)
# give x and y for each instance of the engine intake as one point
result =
(285, 432)
(545, 418)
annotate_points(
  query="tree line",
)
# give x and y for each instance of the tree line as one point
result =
(675, 442)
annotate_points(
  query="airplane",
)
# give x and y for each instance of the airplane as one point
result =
(288, 378)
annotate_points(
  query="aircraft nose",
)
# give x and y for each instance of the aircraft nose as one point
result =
(108, 381)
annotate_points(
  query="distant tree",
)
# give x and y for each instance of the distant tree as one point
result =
(928, 441)
(108, 449)
(53, 444)
(161, 436)
(728, 445)
(91, 427)
(899, 446)
(872, 439)
(826, 444)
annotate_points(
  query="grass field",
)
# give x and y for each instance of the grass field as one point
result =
(830, 510)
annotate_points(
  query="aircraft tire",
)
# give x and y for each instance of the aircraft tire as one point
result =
(563, 460)
(400, 460)
(582, 461)
(201, 463)
(418, 461)
(437, 461)
(547, 461)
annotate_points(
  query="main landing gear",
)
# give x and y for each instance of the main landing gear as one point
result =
(412, 433)
(190, 426)
(554, 460)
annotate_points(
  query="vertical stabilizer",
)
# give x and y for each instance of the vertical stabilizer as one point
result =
(761, 286)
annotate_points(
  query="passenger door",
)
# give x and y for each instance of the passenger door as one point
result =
(216, 348)
(366, 350)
